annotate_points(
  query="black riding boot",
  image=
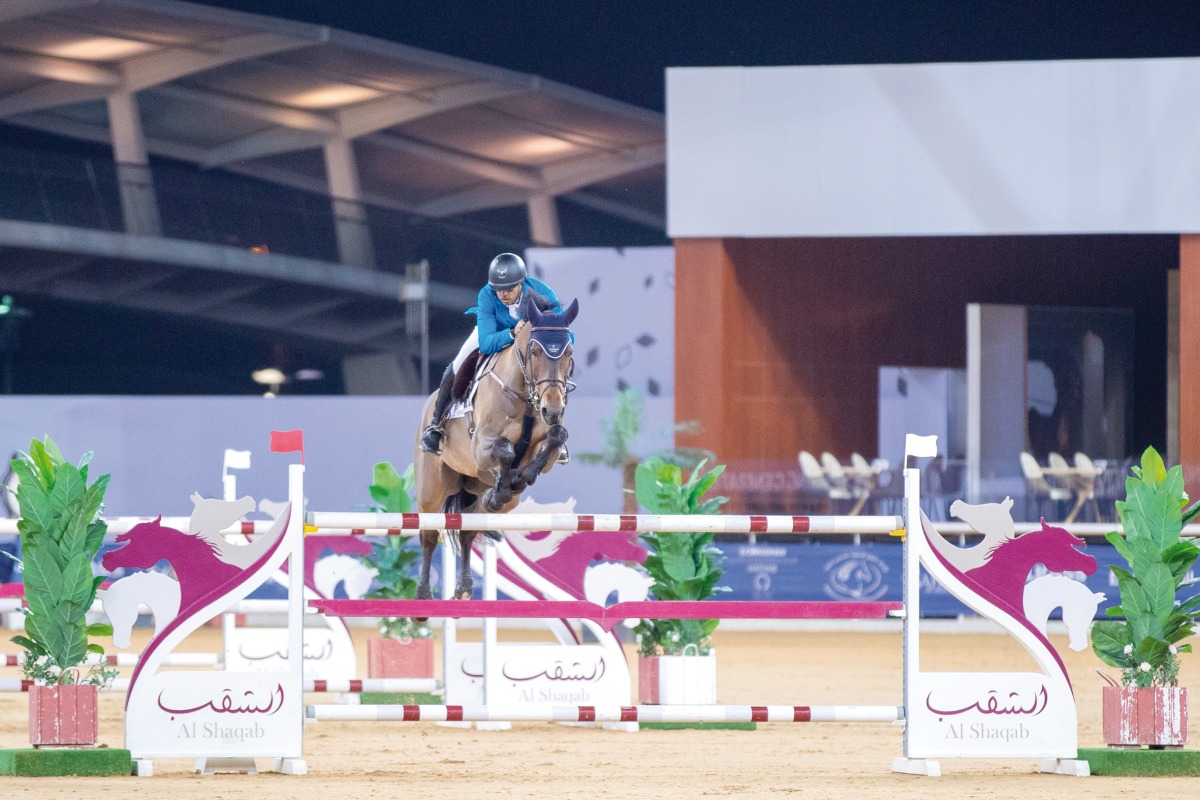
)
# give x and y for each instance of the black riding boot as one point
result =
(431, 440)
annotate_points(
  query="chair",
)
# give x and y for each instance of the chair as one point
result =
(1037, 489)
(862, 474)
(836, 474)
(816, 482)
(1085, 483)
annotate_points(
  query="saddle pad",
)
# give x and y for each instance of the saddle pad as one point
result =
(462, 407)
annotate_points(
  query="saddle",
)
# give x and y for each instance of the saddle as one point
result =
(466, 381)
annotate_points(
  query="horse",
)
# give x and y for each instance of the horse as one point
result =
(513, 434)
(1010, 562)
(1078, 602)
(122, 600)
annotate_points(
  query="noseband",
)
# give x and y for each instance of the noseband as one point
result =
(555, 343)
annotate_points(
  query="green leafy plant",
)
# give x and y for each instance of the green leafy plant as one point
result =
(684, 566)
(1145, 645)
(622, 431)
(394, 557)
(61, 532)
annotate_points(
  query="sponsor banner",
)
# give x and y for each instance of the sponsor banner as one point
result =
(868, 571)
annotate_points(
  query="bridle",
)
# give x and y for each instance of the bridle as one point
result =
(533, 390)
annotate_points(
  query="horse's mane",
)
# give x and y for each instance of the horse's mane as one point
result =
(155, 527)
(1019, 539)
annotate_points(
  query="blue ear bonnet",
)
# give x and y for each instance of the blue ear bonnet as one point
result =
(553, 341)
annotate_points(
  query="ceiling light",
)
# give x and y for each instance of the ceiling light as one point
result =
(332, 96)
(99, 48)
(309, 375)
(268, 376)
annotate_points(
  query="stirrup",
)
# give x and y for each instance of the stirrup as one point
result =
(431, 440)
(563, 456)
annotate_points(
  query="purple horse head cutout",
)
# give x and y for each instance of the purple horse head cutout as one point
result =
(564, 557)
(195, 561)
(1007, 570)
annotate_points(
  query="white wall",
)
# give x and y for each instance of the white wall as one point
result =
(933, 149)
(161, 449)
(625, 331)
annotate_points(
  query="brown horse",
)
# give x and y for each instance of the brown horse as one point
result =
(512, 435)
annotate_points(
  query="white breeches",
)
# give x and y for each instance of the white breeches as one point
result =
(472, 343)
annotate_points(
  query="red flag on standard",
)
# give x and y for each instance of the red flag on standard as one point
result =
(288, 442)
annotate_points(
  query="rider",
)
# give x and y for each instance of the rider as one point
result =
(498, 317)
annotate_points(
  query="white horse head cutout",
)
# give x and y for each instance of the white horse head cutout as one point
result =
(123, 599)
(353, 574)
(535, 550)
(601, 580)
(993, 520)
(1078, 603)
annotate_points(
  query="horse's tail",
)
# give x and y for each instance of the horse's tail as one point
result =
(458, 503)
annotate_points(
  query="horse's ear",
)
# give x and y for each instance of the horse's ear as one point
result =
(572, 310)
(529, 310)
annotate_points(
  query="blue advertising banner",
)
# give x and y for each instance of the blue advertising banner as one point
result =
(869, 571)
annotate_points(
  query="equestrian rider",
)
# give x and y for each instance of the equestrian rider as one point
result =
(498, 317)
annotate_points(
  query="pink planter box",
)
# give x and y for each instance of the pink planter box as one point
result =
(393, 658)
(648, 680)
(1155, 716)
(63, 715)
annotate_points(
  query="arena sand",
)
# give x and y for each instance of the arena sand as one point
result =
(556, 762)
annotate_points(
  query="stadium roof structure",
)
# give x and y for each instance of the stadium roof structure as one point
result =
(360, 122)
(432, 134)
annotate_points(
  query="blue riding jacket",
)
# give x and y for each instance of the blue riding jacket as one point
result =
(494, 320)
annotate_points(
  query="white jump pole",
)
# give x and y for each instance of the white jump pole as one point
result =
(552, 713)
(369, 523)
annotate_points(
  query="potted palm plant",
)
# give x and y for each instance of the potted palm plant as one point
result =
(61, 532)
(676, 662)
(1147, 706)
(622, 431)
(404, 649)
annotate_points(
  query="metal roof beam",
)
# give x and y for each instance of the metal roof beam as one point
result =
(48, 95)
(386, 112)
(17, 9)
(559, 179)
(164, 66)
(351, 123)
(525, 177)
(570, 175)
(54, 68)
(267, 112)
(262, 144)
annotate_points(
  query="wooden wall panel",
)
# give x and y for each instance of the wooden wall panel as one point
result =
(803, 325)
(1189, 361)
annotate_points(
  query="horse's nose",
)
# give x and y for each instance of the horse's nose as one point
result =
(552, 415)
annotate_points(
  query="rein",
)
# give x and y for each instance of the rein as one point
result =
(532, 396)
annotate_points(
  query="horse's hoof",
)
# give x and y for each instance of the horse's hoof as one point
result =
(424, 593)
(462, 594)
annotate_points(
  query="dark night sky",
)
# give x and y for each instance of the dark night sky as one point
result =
(620, 48)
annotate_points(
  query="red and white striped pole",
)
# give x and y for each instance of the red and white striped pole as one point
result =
(534, 712)
(363, 522)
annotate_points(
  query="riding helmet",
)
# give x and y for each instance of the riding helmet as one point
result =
(506, 271)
